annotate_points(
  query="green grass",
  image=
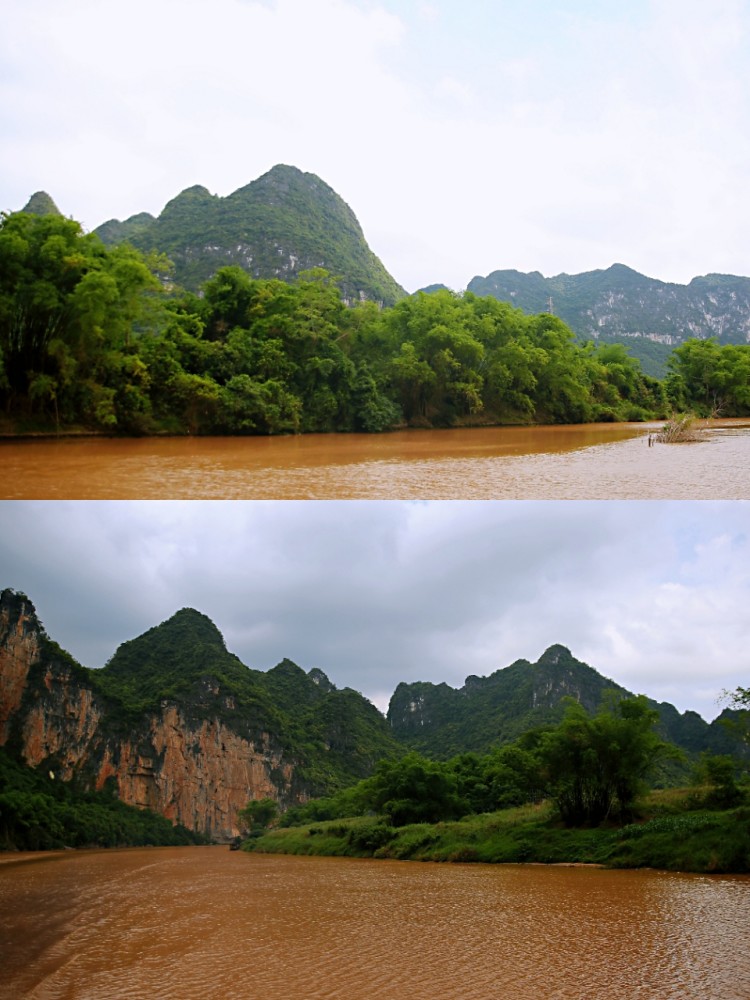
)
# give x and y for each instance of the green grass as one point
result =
(671, 835)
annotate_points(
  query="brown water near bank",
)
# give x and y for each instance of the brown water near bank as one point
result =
(205, 922)
(588, 461)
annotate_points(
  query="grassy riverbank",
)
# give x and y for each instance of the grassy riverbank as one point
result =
(668, 836)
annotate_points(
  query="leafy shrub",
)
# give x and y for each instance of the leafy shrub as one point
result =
(371, 836)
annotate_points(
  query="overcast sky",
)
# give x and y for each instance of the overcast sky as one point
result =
(654, 595)
(466, 135)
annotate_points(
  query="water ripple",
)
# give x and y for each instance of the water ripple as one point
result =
(565, 463)
(204, 922)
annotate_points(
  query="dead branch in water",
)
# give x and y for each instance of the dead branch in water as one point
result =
(677, 430)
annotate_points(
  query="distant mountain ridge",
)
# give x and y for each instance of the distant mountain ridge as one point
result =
(619, 304)
(288, 221)
(176, 723)
(441, 721)
(277, 226)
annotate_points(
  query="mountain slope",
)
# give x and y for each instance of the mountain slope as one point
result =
(441, 721)
(281, 224)
(178, 724)
(40, 203)
(619, 304)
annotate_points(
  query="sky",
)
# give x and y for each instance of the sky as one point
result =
(467, 135)
(653, 595)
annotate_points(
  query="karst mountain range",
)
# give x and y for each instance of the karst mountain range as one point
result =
(176, 723)
(288, 221)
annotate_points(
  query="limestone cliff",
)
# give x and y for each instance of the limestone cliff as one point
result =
(620, 302)
(19, 648)
(196, 771)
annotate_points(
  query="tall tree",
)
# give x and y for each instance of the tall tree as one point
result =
(595, 765)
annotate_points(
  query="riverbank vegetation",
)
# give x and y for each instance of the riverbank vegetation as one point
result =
(674, 834)
(576, 793)
(98, 340)
(38, 812)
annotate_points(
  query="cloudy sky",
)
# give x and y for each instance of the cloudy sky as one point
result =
(550, 135)
(654, 595)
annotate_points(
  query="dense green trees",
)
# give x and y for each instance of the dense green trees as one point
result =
(70, 313)
(98, 338)
(39, 812)
(712, 379)
(259, 813)
(592, 766)
(415, 790)
(739, 700)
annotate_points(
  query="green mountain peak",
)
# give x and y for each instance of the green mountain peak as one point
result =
(41, 203)
(277, 226)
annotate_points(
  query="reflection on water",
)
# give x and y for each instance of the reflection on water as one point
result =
(599, 461)
(205, 922)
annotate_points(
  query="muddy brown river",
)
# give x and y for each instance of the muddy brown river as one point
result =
(590, 461)
(198, 923)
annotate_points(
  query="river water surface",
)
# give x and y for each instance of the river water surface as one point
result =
(588, 461)
(218, 925)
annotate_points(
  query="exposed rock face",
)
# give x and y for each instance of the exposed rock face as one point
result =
(621, 303)
(197, 772)
(198, 775)
(61, 719)
(19, 648)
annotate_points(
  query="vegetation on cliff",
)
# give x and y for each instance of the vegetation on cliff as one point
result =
(278, 226)
(619, 305)
(333, 737)
(90, 339)
(39, 812)
(185, 660)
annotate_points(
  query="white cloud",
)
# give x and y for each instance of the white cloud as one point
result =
(453, 89)
(557, 139)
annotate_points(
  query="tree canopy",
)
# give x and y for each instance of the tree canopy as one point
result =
(100, 339)
(592, 765)
(595, 766)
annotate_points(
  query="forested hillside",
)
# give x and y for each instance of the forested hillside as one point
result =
(278, 226)
(177, 725)
(619, 305)
(441, 721)
(91, 339)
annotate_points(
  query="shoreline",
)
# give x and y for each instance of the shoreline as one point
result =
(78, 433)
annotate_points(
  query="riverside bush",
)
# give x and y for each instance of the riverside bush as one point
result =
(688, 841)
